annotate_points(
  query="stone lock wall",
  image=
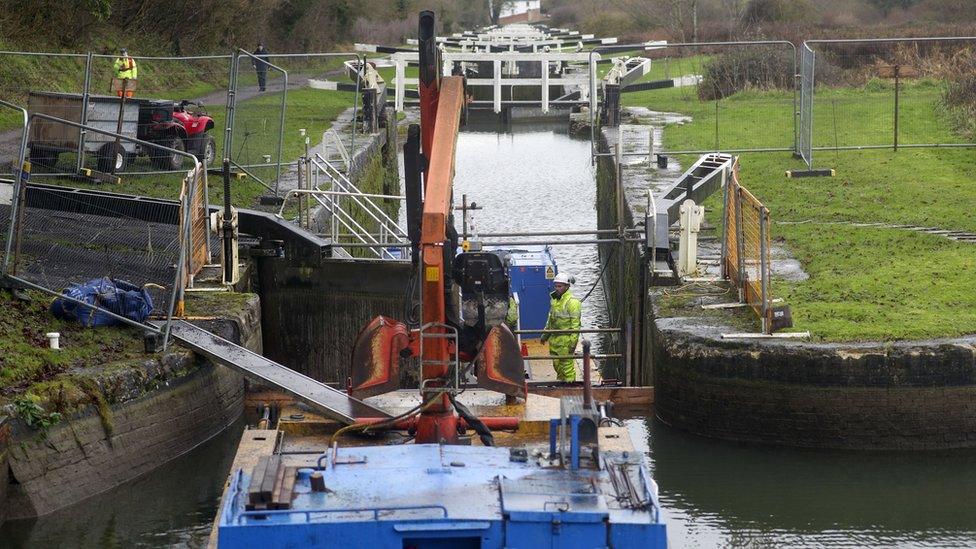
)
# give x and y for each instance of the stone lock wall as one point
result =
(919, 395)
(164, 408)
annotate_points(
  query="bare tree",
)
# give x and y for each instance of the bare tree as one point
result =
(733, 12)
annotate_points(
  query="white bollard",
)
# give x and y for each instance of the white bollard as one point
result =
(54, 340)
(690, 223)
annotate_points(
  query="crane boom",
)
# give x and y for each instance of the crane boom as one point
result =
(438, 421)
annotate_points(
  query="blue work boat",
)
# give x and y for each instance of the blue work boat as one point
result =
(584, 487)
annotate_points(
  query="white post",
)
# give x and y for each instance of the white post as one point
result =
(650, 148)
(545, 86)
(400, 79)
(498, 86)
(690, 222)
(592, 90)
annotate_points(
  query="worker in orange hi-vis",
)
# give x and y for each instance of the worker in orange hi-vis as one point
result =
(125, 70)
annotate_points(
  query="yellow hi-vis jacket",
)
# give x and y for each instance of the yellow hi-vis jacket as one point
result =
(564, 314)
(125, 67)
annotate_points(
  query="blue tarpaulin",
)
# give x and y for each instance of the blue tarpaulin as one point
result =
(118, 296)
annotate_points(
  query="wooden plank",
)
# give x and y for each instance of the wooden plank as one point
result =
(276, 488)
(257, 475)
(268, 481)
(284, 494)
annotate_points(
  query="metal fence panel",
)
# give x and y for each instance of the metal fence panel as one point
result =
(327, 112)
(807, 71)
(63, 236)
(34, 73)
(732, 90)
(193, 193)
(888, 93)
(256, 118)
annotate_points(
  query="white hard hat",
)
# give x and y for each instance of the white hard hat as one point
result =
(564, 278)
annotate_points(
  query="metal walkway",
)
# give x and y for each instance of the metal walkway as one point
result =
(322, 398)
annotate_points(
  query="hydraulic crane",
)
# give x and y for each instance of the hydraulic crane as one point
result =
(462, 298)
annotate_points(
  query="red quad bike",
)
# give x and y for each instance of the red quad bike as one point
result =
(177, 126)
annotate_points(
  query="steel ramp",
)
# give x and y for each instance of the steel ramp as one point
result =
(322, 398)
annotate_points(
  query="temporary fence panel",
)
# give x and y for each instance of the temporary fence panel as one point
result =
(808, 60)
(891, 93)
(197, 235)
(182, 99)
(740, 96)
(317, 105)
(28, 78)
(746, 248)
(62, 236)
(256, 118)
(17, 139)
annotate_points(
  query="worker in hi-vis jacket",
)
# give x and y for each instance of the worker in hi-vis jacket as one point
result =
(564, 314)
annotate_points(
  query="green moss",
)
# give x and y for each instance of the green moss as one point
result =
(69, 394)
(217, 304)
(25, 358)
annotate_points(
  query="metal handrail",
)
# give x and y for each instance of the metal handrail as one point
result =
(340, 146)
(375, 212)
(344, 181)
(357, 232)
(335, 208)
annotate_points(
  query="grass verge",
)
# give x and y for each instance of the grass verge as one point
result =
(865, 283)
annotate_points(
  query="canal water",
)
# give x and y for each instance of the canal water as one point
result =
(531, 177)
(714, 493)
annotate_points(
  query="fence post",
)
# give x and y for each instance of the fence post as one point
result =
(724, 256)
(231, 102)
(85, 96)
(897, 82)
(360, 74)
(716, 124)
(281, 129)
(796, 112)
(628, 349)
(740, 244)
(764, 268)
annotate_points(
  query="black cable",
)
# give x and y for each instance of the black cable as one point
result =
(474, 422)
(599, 277)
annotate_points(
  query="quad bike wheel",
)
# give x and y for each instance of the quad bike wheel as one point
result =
(166, 160)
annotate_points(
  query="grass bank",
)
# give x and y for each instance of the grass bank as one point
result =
(865, 283)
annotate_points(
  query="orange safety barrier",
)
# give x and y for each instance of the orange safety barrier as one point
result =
(197, 251)
(746, 249)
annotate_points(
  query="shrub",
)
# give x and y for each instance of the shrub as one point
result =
(746, 67)
(959, 97)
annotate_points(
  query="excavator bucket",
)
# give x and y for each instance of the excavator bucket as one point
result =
(499, 365)
(376, 357)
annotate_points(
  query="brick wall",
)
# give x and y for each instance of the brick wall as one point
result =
(901, 396)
